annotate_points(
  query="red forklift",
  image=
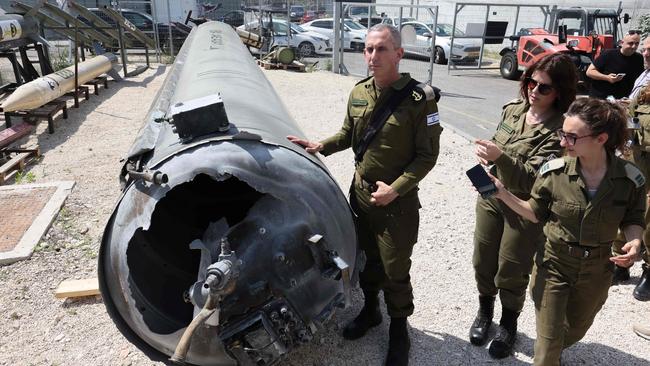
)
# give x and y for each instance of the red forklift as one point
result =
(582, 33)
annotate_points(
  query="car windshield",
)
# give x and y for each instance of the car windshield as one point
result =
(298, 29)
(444, 30)
(354, 25)
(362, 11)
(297, 8)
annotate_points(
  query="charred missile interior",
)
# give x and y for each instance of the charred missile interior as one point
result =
(229, 244)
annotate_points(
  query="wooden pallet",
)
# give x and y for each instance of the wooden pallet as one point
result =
(46, 111)
(13, 133)
(16, 160)
(82, 91)
(100, 80)
(295, 65)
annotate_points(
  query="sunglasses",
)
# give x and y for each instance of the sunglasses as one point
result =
(569, 138)
(543, 89)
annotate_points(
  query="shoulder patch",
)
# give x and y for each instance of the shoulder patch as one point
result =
(551, 165)
(417, 95)
(427, 90)
(514, 101)
(433, 119)
(359, 102)
(634, 174)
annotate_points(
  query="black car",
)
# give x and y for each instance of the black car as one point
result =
(296, 12)
(144, 22)
(234, 18)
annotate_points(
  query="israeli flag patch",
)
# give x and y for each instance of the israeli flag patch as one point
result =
(433, 119)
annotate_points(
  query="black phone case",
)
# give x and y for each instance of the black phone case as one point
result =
(481, 181)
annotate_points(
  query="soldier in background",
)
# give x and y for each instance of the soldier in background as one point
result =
(392, 125)
(640, 155)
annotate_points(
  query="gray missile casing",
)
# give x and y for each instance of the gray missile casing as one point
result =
(275, 200)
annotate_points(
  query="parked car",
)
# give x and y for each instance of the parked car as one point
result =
(361, 13)
(296, 12)
(308, 43)
(235, 18)
(354, 34)
(309, 16)
(144, 22)
(416, 41)
(395, 21)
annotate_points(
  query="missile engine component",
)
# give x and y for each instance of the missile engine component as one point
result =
(229, 245)
(51, 86)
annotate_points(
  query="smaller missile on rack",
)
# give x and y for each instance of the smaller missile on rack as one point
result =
(49, 87)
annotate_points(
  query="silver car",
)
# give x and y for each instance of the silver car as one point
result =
(354, 34)
(308, 43)
(416, 41)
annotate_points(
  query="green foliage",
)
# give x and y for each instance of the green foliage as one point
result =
(23, 177)
(644, 25)
(60, 60)
(327, 65)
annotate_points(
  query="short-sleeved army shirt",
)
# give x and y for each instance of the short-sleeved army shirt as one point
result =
(407, 146)
(559, 199)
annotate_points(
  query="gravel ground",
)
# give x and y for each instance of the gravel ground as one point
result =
(37, 329)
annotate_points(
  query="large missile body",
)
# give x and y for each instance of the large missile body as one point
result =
(229, 244)
(51, 86)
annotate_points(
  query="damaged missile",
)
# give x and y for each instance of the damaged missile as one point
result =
(229, 244)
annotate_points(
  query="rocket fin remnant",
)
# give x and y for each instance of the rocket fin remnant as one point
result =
(49, 87)
(277, 250)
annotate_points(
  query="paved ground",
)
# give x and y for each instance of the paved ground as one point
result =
(470, 98)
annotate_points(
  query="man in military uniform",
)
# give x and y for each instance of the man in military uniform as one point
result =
(392, 125)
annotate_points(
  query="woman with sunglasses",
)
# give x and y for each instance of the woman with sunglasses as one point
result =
(583, 199)
(504, 244)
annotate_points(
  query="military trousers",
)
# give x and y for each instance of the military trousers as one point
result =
(568, 292)
(387, 236)
(642, 160)
(504, 247)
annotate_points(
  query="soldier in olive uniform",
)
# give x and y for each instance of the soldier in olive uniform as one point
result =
(384, 190)
(504, 243)
(639, 108)
(583, 199)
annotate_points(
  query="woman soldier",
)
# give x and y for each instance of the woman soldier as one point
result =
(583, 199)
(504, 244)
(639, 108)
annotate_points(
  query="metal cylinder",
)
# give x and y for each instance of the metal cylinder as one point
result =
(249, 185)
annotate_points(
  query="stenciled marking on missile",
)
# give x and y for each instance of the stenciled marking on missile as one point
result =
(10, 29)
(216, 39)
(53, 84)
(64, 73)
(129, 25)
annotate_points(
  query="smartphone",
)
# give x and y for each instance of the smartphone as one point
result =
(620, 75)
(481, 181)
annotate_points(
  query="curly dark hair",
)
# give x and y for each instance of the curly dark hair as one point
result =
(602, 117)
(564, 76)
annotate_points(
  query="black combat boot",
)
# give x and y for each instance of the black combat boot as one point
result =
(621, 274)
(369, 317)
(478, 332)
(642, 290)
(399, 343)
(503, 342)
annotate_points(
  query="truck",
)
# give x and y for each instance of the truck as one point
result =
(582, 33)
